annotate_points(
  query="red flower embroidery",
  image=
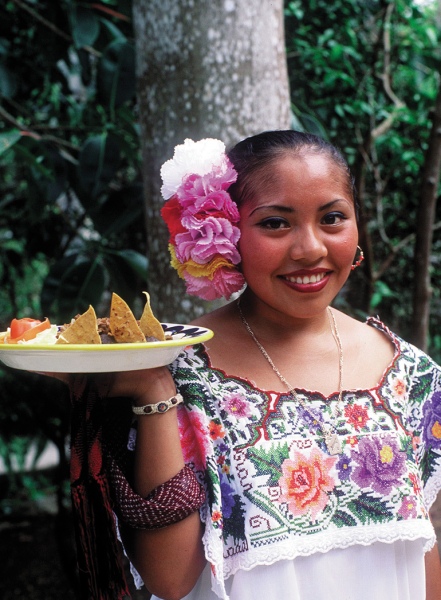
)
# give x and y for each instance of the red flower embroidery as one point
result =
(216, 430)
(357, 416)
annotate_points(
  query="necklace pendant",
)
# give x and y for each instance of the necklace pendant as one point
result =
(333, 443)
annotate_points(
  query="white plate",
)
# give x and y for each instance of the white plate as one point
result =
(103, 358)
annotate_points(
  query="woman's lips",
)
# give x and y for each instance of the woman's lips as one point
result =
(307, 282)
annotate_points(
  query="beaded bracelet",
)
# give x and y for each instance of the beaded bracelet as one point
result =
(160, 407)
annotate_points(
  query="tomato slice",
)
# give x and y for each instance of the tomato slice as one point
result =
(26, 329)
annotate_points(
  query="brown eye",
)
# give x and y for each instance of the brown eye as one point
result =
(274, 223)
(333, 218)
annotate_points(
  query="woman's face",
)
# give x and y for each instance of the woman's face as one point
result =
(298, 234)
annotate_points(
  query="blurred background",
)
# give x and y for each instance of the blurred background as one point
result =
(94, 96)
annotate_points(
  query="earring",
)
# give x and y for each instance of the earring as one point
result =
(359, 260)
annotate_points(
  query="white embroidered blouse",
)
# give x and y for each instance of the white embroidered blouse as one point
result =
(281, 509)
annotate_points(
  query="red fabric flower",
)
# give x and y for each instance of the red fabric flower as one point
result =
(171, 212)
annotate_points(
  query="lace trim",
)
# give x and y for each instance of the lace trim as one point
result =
(322, 542)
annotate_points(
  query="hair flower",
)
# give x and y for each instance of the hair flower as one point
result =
(202, 218)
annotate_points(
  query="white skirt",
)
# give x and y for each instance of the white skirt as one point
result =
(376, 572)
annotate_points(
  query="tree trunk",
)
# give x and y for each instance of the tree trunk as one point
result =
(204, 69)
(424, 232)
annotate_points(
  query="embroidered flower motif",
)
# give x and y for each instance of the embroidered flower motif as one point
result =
(305, 482)
(407, 509)
(344, 468)
(357, 416)
(415, 483)
(216, 516)
(193, 432)
(380, 464)
(398, 387)
(216, 430)
(202, 219)
(227, 498)
(416, 440)
(236, 405)
(352, 441)
(432, 421)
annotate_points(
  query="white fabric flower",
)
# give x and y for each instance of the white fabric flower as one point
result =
(191, 157)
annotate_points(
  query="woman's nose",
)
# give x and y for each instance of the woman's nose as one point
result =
(308, 245)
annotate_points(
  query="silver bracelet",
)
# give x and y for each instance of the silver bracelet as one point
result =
(160, 407)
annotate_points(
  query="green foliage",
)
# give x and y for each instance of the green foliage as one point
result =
(69, 157)
(72, 224)
(356, 67)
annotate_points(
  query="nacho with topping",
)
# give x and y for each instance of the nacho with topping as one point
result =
(149, 324)
(122, 323)
(83, 330)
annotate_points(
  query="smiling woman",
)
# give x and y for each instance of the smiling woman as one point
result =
(315, 437)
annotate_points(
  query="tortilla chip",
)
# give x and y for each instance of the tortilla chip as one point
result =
(82, 331)
(123, 325)
(149, 324)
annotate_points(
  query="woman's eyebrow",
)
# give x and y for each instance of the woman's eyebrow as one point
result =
(279, 207)
(289, 209)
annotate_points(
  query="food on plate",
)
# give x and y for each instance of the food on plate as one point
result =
(120, 327)
(149, 324)
(123, 325)
(23, 330)
(83, 330)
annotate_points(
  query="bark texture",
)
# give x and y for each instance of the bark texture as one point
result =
(204, 69)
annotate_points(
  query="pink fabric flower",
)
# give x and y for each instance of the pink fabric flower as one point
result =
(224, 283)
(205, 239)
(202, 218)
(214, 204)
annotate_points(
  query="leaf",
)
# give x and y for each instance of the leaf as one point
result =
(98, 162)
(8, 82)
(269, 462)
(116, 74)
(119, 210)
(8, 139)
(72, 284)
(342, 518)
(369, 509)
(85, 27)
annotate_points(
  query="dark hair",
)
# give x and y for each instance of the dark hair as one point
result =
(255, 153)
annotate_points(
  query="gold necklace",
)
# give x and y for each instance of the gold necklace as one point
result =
(331, 438)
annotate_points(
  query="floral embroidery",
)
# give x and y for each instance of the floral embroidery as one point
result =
(398, 388)
(380, 464)
(432, 421)
(305, 482)
(344, 467)
(271, 484)
(407, 509)
(216, 430)
(193, 433)
(227, 498)
(236, 405)
(357, 416)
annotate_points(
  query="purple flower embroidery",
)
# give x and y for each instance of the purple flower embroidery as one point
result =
(227, 498)
(236, 405)
(344, 468)
(380, 464)
(407, 509)
(432, 421)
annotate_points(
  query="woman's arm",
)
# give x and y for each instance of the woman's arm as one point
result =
(433, 574)
(170, 559)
